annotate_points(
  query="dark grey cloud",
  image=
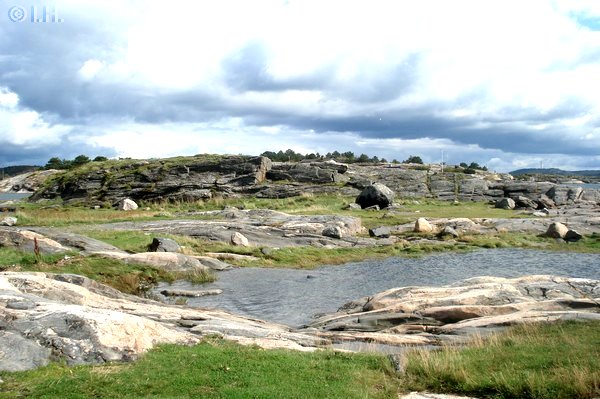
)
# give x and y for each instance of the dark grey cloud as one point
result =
(40, 63)
(14, 154)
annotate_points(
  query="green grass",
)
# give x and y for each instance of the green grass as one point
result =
(541, 361)
(214, 369)
(35, 215)
(128, 278)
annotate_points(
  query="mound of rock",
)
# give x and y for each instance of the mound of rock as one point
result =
(46, 317)
(420, 315)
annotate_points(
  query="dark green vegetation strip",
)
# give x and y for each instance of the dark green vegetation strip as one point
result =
(213, 370)
(557, 361)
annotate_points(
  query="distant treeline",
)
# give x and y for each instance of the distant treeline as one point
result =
(350, 157)
(556, 172)
(345, 157)
(57, 163)
(10, 171)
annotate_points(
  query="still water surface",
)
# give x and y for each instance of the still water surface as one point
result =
(13, 196)
(293, 297)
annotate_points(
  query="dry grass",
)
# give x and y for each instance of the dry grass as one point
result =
(530, 361)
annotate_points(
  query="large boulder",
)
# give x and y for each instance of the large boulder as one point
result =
(557, 230)
(423, 226)
(546, 202)
(127, 204)
(524, 202)
(563, 195)
(506, 203)
(375, 194)
(239, 240)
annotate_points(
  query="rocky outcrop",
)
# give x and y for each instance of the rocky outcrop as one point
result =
(26, 182)
(184, 178)
(28, 240)
(438, 314)
(206, 176)
(308, 172)
(168, 261)
(70, 318)
(8, 221)
(261, 228)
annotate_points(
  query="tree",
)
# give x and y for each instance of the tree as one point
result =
(413, 159)
(363, 158)
(463, 165)
(80, 160)
(349, 156)
(100, 159)
(55, 163)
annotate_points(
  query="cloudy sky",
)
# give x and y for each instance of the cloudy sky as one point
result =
(507, 84)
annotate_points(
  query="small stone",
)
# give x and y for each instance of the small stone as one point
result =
(266, 251)
(239, 240)
(448, 231)
(332, 231)
(8, 221)
(540, 214)
(557, 230)
(353, 207)
(372, 208)
(572, 236)
(127, 204)
(380, 232)
(422, 226)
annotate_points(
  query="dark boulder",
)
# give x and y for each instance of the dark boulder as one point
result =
(163, 245)
(375, 194)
